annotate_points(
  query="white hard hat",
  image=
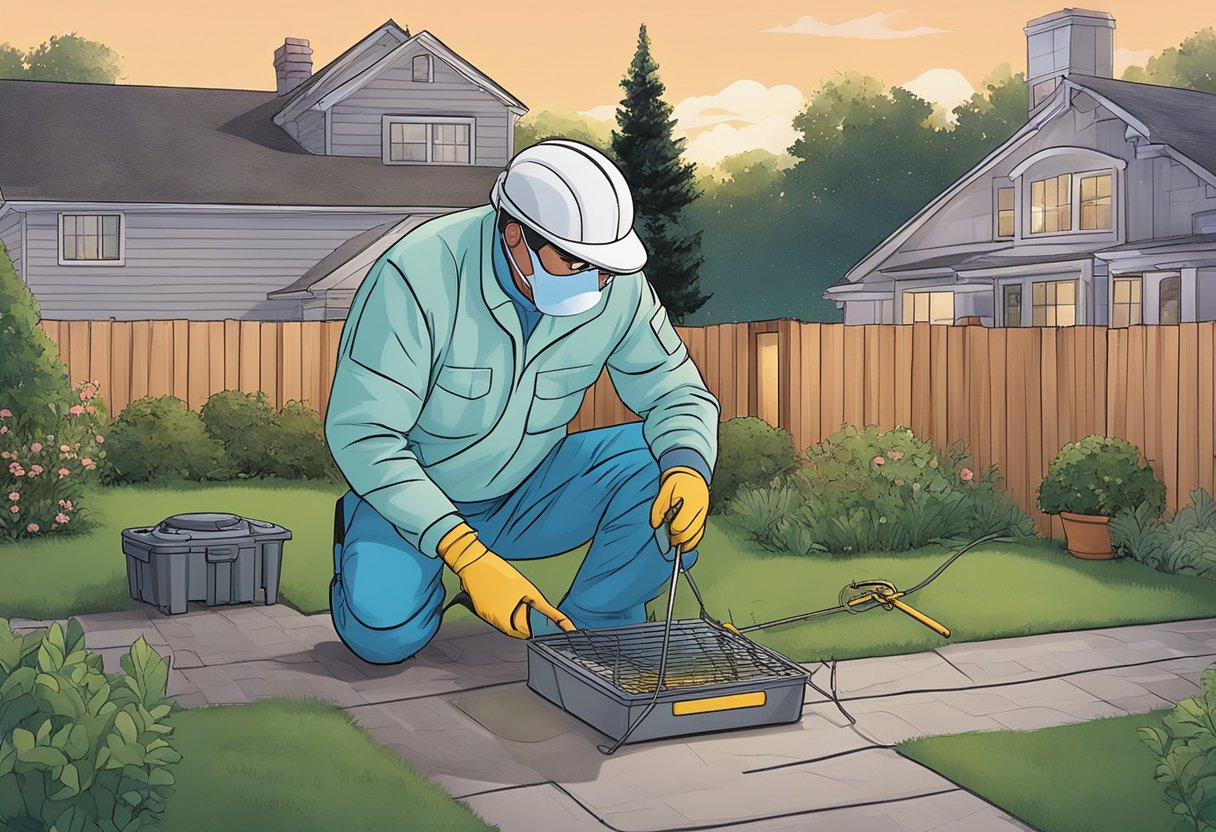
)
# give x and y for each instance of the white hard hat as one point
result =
(574, 196)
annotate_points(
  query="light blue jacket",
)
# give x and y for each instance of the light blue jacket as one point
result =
(437, 396)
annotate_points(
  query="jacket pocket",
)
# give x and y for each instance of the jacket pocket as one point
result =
(465, 382)
(665, 332)
(559, 394)
(459, 403)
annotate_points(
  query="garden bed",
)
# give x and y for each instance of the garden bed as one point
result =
(1092, 777)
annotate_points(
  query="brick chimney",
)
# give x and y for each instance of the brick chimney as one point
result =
(1067, 42)
(292, 64)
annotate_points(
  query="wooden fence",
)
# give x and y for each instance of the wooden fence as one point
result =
(1015, 396)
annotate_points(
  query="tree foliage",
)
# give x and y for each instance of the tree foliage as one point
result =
(62, 58)
(662, 184)
(562, 123)
(1190, 65)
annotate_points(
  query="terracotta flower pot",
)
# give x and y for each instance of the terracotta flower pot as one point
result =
(1088, 535)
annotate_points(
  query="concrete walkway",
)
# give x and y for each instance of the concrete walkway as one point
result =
(461, 713)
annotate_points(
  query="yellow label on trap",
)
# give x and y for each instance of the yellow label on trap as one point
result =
(718, 703)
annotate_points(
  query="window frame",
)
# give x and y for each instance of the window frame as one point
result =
(1074, 209)
(430, 122)
(1004, 290)
(909, 295)
(121, 260)
(1176, 279)
(1048, 285)
(1138, 304)
(430, 69)
(997, 211)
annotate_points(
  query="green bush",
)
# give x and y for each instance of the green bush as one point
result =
(868, 490)
(1184, 544)
(297, 445)
(161, 439)
(751, 453)
(1185, 750)
(81, 750)
(244, 424)
(1099, 475)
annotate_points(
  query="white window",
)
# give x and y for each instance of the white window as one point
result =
(421, 68)
(1127, 307)
(1169, 303)
(422, 140)
(1095, 202)
(1055, 303)
(1051, 204)
(928, 307)
(91, 239)
(1004, 212)
(1011, 297)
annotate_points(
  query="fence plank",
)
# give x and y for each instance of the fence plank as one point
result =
(216, 361)
(853, 375)
(958, 393)
(118, 395)
(1051, 396)
(292, 382)
(831, 367)
(810, 390)
(1135, 392)
(1097, 375)
(1032, 417)
(745, 370)
(979, 396)
(78, 365)
(160, 363)
(1168, 424)
(996, 404)
(1152, 393)
(903, 376)
(232, 354)
(939, 365)
(99, 353)
(886, 377)
(1188, 411)
(790, 357)
(181, 360)
(268, 363)
(142, 351)
(249, 367)
(198, 368)
(310, 377)
(1207, 407)
(922, 378)
(1017, 380)
(1116, 382)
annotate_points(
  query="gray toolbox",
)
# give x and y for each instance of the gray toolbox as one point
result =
(715, 680)
(216, 558)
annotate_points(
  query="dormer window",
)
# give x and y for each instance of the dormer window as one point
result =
(1004, 212)
(1095, 202)
(1051, 204)
(422, 68)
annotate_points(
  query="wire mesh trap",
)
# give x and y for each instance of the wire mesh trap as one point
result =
(714, 680)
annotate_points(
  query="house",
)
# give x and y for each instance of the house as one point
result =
(1101, 210)
(146, 202)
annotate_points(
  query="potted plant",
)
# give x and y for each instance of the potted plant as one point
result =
(1088, 482)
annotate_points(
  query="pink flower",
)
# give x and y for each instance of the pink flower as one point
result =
(63, 503)
(32, 528)
(35, 470)
(896, 455)
(76, 446)
(90, 410)
(99, 438)
(62, 518)
(76, 410)
(878, 460)
(63, 449)
(36, 447)
(63, 472)
(4, 429)
(4, 414)
(966, 475)
(14, 496)
(14, 509)
(87, 463)
(15, 469)
(4, 454)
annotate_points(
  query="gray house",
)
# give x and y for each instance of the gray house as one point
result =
(142, 202)
(1101, 210)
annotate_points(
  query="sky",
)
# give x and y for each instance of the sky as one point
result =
(736, 72)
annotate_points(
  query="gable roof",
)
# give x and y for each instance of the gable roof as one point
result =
(1182, 119)
(329, 76)
(124, 143)
(434, 44)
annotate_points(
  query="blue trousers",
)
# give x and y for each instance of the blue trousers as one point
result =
(386, 597)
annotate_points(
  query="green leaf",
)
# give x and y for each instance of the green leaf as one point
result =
(126, 726)
(23, 741)
(44, 756)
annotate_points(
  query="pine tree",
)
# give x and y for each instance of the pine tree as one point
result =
(661, 183)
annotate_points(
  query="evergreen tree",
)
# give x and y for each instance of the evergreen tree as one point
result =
(661, 183)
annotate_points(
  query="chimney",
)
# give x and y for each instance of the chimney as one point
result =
(292, 64)
(1067, 42)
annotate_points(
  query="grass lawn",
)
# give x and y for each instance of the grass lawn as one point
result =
(299, 765)
(1092, 777)
(993, 591)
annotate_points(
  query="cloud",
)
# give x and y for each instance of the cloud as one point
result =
(743, 116)
(947, 87)
(1131, 57)
(874, 27)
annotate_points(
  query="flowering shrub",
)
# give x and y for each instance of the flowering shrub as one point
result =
(865, 490)
(46, 466)
(1099, 475)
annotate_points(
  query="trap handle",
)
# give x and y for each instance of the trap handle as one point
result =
(935, 626)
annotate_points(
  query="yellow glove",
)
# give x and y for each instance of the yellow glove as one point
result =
(682, 484)
(500, 595)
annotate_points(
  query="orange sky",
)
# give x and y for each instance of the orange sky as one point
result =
(573, 53)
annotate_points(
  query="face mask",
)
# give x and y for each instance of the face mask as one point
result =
(560, 294)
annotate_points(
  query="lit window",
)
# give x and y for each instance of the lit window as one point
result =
(1095, 202)
(421, 67)
(1013, 304)
(1004, 212)
(90, 237)
(1170, 300)
(1055, 303)
(450, 143)
(1051, 204)
(929, 307)
(1126, 307)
